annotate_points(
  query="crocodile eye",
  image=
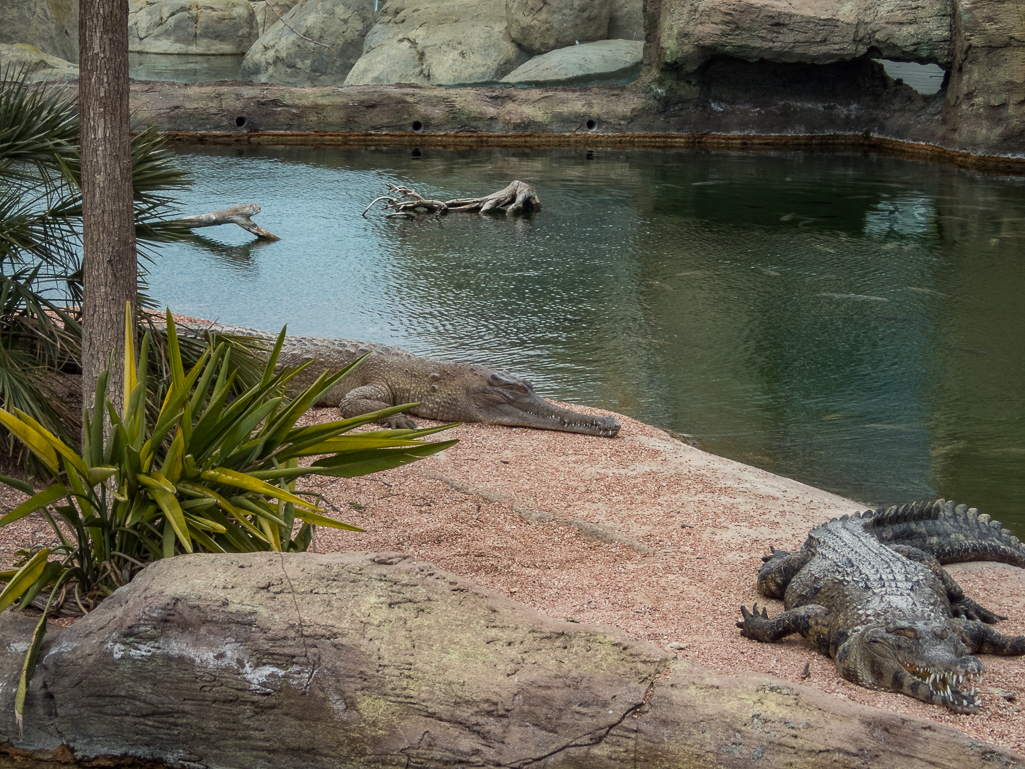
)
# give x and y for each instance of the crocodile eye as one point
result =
(903, 630)
(508, 381)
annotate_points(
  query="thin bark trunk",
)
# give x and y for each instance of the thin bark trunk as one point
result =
(109, 259)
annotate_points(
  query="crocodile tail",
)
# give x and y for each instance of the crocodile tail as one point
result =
(952, 533)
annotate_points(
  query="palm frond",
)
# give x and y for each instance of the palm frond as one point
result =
(39, 128)
(40, 237)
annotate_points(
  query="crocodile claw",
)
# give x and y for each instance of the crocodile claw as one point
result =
(968, 609)
(774, 554)
(751, 618)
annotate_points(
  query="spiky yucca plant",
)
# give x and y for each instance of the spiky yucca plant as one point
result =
(208, 473)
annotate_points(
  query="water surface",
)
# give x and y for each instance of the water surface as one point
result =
(851, 321)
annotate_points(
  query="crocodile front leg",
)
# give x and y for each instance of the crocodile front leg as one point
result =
(373, 397)
(811, 621)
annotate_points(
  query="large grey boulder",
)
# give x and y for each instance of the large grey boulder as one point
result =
(374, 660)
(437, 42)
(316, 43)
(269, 12)
(546, 25)
(606, 61)
(985, 103)
(626, 20)
(35, 64)
(49, 25)
(191, 26)
(809, 32)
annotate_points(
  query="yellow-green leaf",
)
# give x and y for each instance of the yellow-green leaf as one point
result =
(24, 579)
(156, 480)
(36, 443)
(29, 506)
(273, 534)
(100, 473)
(169, 505)
(224, 504)
(130, 379)
(70, 456)
(172, 468)
(29, 666)
(319, 520)
(205, 524)
(249, 483)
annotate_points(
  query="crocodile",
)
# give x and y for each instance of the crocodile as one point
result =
(390, 376)
(869, 590)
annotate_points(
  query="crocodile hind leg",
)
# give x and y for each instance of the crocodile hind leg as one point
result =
(981, 638)
(960, 604)
(367, 398)
(810, 621)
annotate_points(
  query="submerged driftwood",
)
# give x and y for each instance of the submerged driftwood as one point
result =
(239, 215)
(517, 198)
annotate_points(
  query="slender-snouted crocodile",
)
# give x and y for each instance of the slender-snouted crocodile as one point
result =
(389, 376)
(869, 591)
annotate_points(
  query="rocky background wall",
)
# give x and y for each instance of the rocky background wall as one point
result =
(769, 56)
(728, 67)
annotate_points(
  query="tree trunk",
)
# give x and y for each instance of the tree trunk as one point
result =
(108, 229)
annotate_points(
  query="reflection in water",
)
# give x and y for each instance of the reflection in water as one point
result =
(241, 257)
(850, 321)
(910, 215)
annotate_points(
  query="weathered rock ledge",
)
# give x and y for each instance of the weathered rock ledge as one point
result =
(366, 660)
(638, 115)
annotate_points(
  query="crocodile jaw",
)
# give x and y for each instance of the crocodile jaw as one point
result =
(541, 414)
(956, 691)
(924, 660)
(500, 398)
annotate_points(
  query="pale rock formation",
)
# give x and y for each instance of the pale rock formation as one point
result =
(316, 43)
(191, 26)
(437, 42)
(49, 25)
(749, 57)
(626, 20)
(35, 64)
(985, 104)
(809, 32)
(547, 25)
(268, 12)
(605, 61)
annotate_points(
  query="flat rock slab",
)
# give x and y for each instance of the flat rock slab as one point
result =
(361, 659)
(34, 63)
(606, 61)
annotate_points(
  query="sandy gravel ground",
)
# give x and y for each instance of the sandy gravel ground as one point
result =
(642, 532)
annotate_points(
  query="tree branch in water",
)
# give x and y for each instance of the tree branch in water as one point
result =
(239, 215)
(517, 198)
